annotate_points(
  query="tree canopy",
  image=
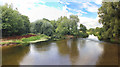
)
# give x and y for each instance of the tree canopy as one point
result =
(110, 18)
(13, 23)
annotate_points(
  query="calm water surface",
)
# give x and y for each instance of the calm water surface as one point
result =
(89, 51)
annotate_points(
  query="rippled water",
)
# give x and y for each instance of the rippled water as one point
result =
(89, 51)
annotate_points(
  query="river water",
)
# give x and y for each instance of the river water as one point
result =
(80, 51)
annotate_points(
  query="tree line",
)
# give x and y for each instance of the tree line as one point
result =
(13, 23)
(109, 14)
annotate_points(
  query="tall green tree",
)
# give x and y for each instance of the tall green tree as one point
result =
(109, 14)
(83, 28)
(13, 23)
(64, 26)
(42, 27)
(68, 26)
(26, 28)
(74, 24)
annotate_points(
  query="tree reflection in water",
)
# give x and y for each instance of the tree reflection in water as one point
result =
(110, 54)
(63, 52)
(14, 55)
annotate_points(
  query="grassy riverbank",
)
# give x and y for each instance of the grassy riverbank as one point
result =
(23, 40)
(32, 38)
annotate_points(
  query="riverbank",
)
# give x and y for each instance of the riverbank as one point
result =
(24, 40)
(112, 41)
(32, 38)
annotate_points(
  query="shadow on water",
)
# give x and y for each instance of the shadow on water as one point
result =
(63, 52)
(69, 47)
(110, 54)
(14, 55)
(44, 46)
(119, 55)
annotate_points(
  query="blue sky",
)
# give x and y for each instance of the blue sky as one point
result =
(53, 9)
(74, 7)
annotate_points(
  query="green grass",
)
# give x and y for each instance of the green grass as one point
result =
(35, 39)
(2, 43)
(9, 41)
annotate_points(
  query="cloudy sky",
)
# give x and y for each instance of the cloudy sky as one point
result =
(53, 9)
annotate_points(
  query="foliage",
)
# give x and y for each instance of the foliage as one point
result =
(13, 23)
(42, 27)
(68, 26)
(25, 41)
(63, 27)
(83, 28)
(110, 18)
(57, 29)
(96, 32)
(83, 31)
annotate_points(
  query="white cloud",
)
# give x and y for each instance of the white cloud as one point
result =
(98, 1)
(79, 11)
(64, 2)
(82, 1)
(44, 12)
(39, 12)
(19, 3)
(51, 13)
(90, 22)
(90, 7)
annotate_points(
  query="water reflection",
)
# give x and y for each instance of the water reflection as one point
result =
(13, 55)
(70, 49)
(65, 52)
(42, 46)
(110, 54)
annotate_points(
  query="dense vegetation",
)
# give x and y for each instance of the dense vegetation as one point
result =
(110, 19)
(26, 40)
(96, 32)
(13, 24)
(63, 26)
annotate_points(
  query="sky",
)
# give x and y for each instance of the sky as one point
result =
(53, 9)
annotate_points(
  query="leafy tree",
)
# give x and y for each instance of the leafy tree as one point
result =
(83, 28)
(26, 28)
(63, 27)
(13, 23)
(38, 26)
(73, 24)
(54, 24)
(110, 18)
(46, 19)
(32, 27)
(68, 26)
(42, 27)
(47, 28)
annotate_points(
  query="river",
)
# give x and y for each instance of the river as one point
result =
(80, 51)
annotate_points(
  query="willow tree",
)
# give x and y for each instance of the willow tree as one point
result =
(109, 14)
(42, 27)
